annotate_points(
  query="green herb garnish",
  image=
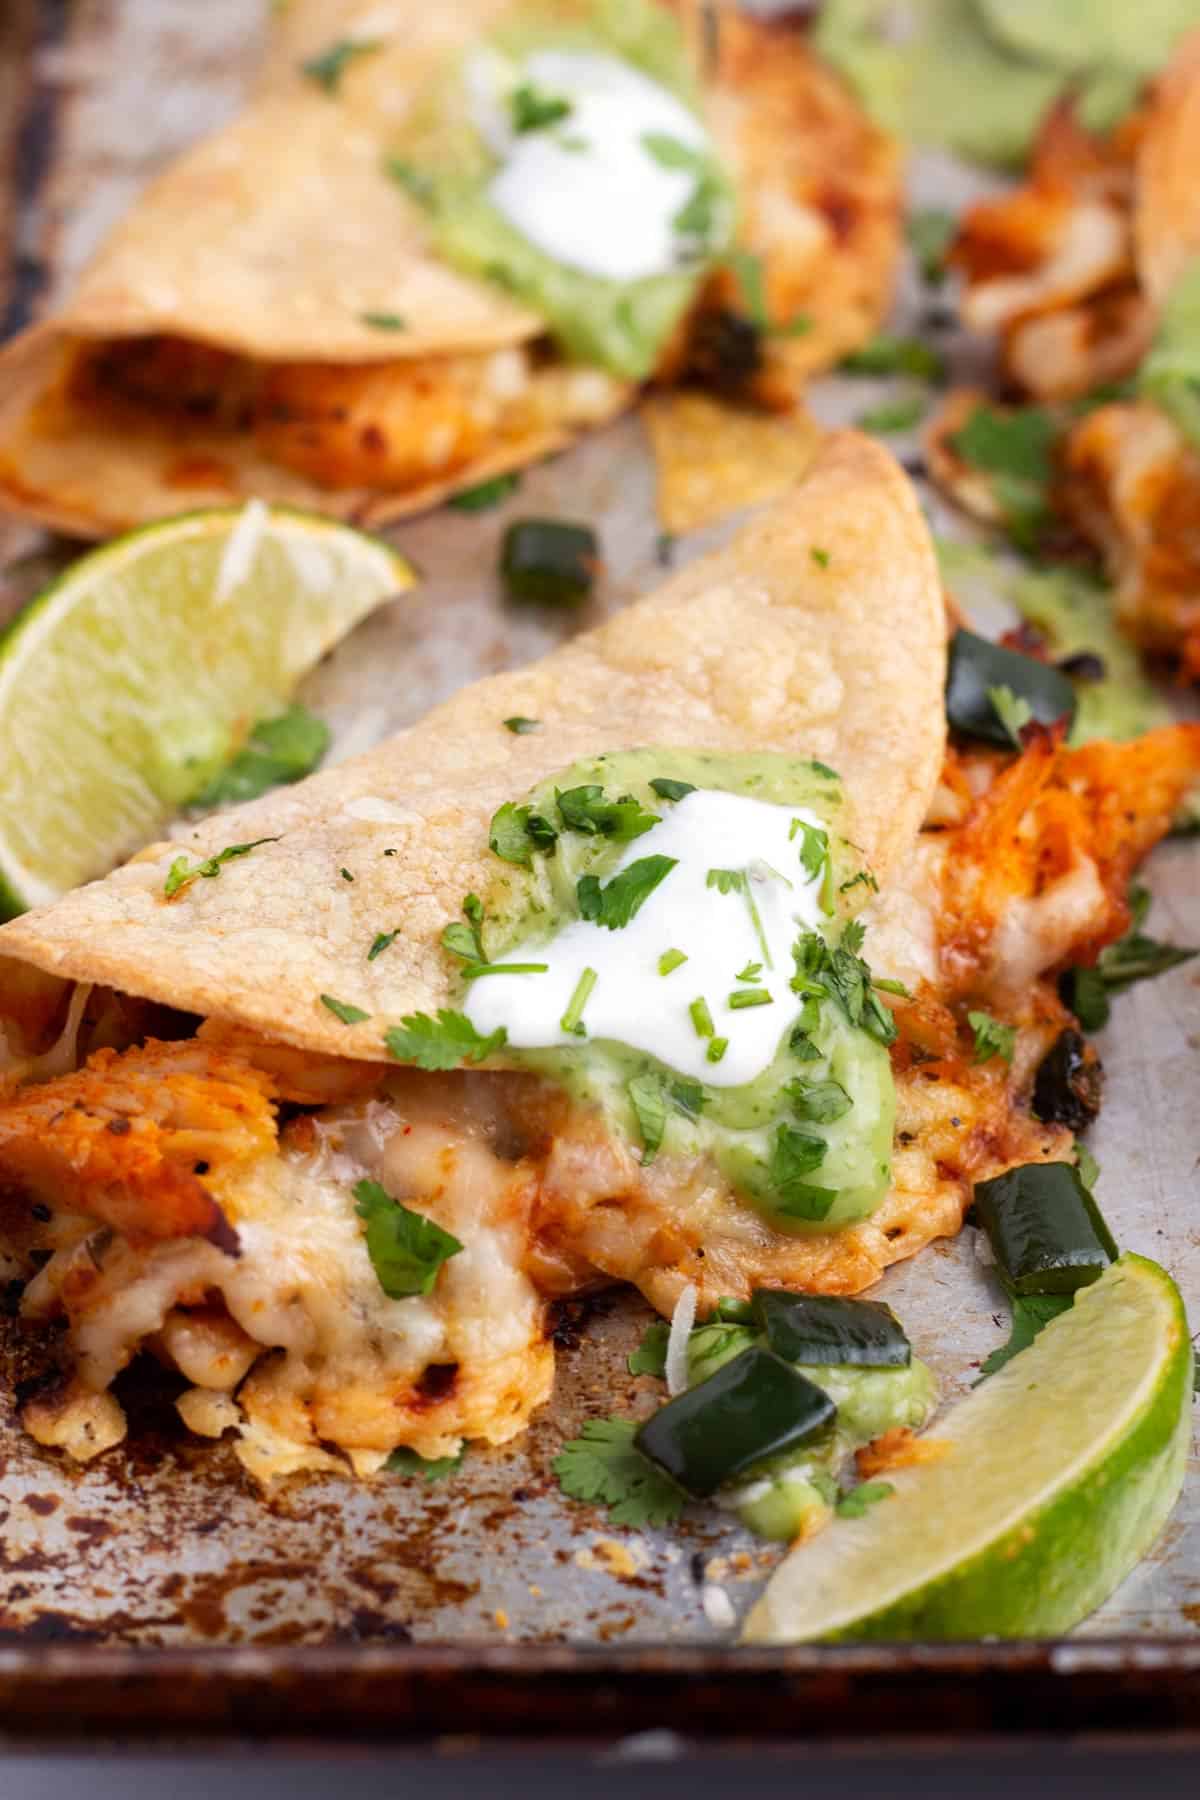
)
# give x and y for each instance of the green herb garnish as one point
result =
(667, 789)
(467, 940)
(751, 972)
(1134, 957)
(179, 875)
(517, 831)
(1030, 1313)
(1016, 451)
(650, 1357)
(442, 1043)
(572, 1019)
(520, 726)
(820, 557)
(601, 1464)
(485, 494)
(716, 1049)
(650, 1109)
(586, 809)
(383, 940)
(814, 847)
(327, 68)
(622, 898)
(931, 231)
(406, 1249)
(701, 1017)
(741, 998)
(534, 110)
(1013, 712)
(991, 1037)
(862, 1498)
(406, 1462)
(888, 355)
(671, 960)
(794, 1155)
(818, 1102)
(384, 321)
(341, 1009)
(895, 416)
(278, 751)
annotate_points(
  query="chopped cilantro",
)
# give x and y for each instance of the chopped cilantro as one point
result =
(671, 960)
(747, 270)
(862, 1498)
(1089, 1168)
(622, 898)
(346, 875)
(664, 549)
(991, 1037)
(406, 1462)
(820, 557)
(278, 751)
(1013, 711)
(520, 726)
(737, 881)
(1016, 450)
(716, 1049)
(741, 998)
(896, 415)
(406, 1248)
(517, 831)
(666, 789)
(384, 321)
(650, 1357)
(383, 940)
(796, 1154)
(327, 68)
(533, 110)
(1030, 1312)
(414, 181)
(930, 233)
(572, 1019)
(485, 494)
(864, 878)
(467, 940)
(179, 875)
(1134, 957)
(888, 355)
(818, 1102)
(601, 1464)
(814, 847)
(586, 809)
(751, 972)
(341, 1009)
(650, 1109)
(442, 1043)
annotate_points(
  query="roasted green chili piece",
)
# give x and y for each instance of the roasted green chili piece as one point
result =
(548, 561)
(978, 669)
(822, 1328)
(1047, 1233)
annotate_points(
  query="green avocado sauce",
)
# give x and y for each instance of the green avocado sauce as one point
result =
(1170, 374)
(794, 1493)
(976, 77)
(445, 163)
(830, 1079)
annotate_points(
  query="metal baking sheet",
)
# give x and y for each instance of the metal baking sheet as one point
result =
(401, 1588)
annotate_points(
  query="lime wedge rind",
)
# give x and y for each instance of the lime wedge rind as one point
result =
(1060, 1473)
(135, 675)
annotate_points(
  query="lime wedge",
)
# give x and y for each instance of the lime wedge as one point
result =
(1058, 1474)
(134, 677)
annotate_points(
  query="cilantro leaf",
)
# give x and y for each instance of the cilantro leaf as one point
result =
(931, 231)
(747, 270)
(1134, 957)
(862, 1498)
(406, 1462)
(383, 940)
(349, 1015)
(517, 831)
(1016, 450)
(650, 1357)
(586, 809)
(623, 897)
(179, 875)
(442, 1043)
(650, 1109)
(991, 1037)
(820, 1102)
(602, 1465)
(278, 751)
(521, 726)
(894, 415)
(1013, 711)
(327, 68)
(534, 110)
(485, 494)
(794, 1155)
(406, 1249)
(1030, 1312)
(667, 789)
(384, 321)
(814, 847)
(467, 940)
(888, 355)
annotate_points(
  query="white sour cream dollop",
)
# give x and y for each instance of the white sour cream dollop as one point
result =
(631, 1001)
(586, 190)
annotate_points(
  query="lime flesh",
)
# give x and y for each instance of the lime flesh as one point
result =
(1058, 1474)
(137, 674)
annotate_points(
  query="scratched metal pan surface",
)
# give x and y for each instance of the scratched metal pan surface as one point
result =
(157, 1589)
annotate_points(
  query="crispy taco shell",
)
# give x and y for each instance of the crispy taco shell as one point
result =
(227, 339)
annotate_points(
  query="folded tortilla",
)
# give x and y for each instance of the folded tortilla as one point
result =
(185, 1213)
(221, 344)
(760, 647)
